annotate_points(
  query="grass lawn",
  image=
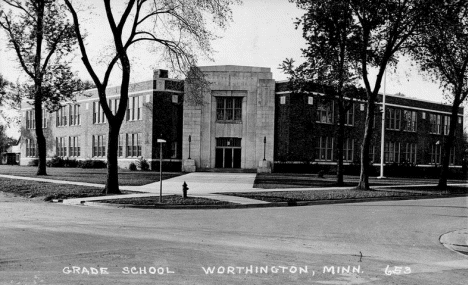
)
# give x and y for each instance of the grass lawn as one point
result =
(315, 195)
(169, 200)
(304, 180)
(126, 177)
(47, 191)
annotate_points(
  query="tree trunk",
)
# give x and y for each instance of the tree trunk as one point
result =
(41, 142)
(112, 181)
(364, 177)
(340, 138)
(448, 145)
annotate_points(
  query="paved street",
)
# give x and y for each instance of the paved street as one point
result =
(45, 243)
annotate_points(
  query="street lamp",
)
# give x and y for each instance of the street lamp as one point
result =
(189, 141)
(160, 141)
(382, 138)
(264, 148)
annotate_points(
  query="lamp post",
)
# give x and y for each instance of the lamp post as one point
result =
(189, 141)
(382, 138)
(160, 141)
(264, 148)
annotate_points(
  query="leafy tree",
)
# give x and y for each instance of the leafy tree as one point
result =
(383, 29)
(442, 53)
(41, 36)
(329, 66)
(179, 27)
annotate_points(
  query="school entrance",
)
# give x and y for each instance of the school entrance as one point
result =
(228, 153)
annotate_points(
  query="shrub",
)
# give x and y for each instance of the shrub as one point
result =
(34, 162)
(132, 166)
(56, 161)
(90, 163)
(142, 164)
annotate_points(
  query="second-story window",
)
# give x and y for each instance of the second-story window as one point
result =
(61, 117)
(229, 109)
(74, 112)
(409, 121)
(393, 119)
(349, 118)
(98, 114)
(435, 121)
(325, 112)
(30, 119)
(135, 108)
(446, 125)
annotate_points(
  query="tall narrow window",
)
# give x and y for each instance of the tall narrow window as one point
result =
(348, 150)
(435, 122)
(61, 146)
(409, 153)
(325, 150)
(392, 152)
(74, 146)
(436, 153)
(31, 148)
(349, 119)
(121, 144)
(410, 121)
(446, 125)
(393, 119)
(99, 145)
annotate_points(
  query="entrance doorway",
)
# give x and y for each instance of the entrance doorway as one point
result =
(228, 153)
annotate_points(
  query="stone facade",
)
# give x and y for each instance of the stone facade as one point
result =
(252, 88)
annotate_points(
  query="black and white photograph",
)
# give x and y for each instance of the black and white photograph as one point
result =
(233, 142)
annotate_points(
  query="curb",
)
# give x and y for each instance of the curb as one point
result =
(269, 205)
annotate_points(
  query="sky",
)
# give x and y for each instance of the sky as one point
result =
(262, 33)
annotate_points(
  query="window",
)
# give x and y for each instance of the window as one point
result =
(310, 100)
(31, 148)
(174, 150)
(348, 150)
(452, 155)
(325, 112)
(459, 120)
(372, 157)
(121, 144)
(98, 114)
(134, 145)
(175, 99)
(99, 145)
(349, 119)
(74, 146)
(393, 119)
(114, 105)
(61, 146)
(409, 153)
(436, 153)
(435, 121)
(135, 106)
(61, 117)
(229, 109)
(325, 151)
(30, 119)
(392, 152)
(409, 121)
(446, 125)
(283, 100)
(74, 111)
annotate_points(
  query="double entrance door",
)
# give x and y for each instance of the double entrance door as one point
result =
(228, 153)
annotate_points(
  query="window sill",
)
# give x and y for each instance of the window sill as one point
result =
(323, 123)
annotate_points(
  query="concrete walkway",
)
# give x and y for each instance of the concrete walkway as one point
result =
(209, 185)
